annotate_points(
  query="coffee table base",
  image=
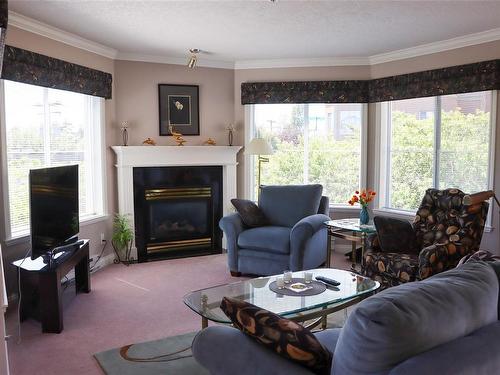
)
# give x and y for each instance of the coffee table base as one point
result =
(319, 316)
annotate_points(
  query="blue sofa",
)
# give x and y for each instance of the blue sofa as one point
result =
(295, 238)
(446, 324)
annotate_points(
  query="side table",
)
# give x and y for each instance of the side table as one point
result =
(350, 230)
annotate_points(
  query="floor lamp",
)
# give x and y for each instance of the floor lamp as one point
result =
(259, 147)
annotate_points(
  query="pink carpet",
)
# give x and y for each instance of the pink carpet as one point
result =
(127, 305)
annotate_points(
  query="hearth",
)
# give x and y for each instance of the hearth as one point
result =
(177, 211)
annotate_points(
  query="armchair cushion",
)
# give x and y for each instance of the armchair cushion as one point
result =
(285, 337)
(395, 236)
(270, 239)
(285, 205)
(250, 213)
(401, 267)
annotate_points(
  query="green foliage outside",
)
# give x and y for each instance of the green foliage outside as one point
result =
(335, 163)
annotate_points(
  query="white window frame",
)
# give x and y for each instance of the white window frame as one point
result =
(98, 161)
(249, 160)
(382, 149)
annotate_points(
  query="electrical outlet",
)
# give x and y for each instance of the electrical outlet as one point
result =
(102, 238)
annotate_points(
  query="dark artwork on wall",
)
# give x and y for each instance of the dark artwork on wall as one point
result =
(179, 107)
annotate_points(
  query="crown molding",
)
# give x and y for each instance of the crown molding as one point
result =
(202, 62)
(301, 63)
(435, 47)
(40, 28)
(43, 29)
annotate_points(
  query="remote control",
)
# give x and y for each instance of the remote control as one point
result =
(327, 280)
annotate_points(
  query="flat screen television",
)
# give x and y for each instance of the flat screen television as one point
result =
(54, 215)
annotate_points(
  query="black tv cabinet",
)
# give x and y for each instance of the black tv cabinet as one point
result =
(41, 288)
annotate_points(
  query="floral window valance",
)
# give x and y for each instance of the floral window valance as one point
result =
(4, 15)
(29, 67)
(452, 80)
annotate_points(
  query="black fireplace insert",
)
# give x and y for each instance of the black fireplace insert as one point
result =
(177, 211)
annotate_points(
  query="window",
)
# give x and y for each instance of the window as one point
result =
(313, 143)
(44, 128)
(441, 142)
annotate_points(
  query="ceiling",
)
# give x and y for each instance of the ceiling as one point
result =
(239, 31)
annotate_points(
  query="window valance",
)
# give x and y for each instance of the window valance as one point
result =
(4, 16)
(29, 67)
(305, 92)
(452, 80)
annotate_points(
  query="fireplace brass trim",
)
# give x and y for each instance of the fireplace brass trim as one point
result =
(168, 245)
(177, 193)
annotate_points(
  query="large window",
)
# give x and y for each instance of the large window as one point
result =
(313, 143)
(44, 128)
(439, 142)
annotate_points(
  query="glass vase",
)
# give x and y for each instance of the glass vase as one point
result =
(364, 216)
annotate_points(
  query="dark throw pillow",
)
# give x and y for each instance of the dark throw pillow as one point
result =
(285, 337)
(250, 213)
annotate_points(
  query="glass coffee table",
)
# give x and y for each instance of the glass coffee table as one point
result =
(352, 289)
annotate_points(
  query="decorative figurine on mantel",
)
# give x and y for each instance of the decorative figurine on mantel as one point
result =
(149, 142)
(230, 134)
(209, 142)
(178, 136)
(124, 126)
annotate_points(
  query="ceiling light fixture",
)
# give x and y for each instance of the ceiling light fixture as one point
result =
(194, 57)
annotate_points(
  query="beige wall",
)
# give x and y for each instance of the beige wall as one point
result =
(137, 99)
(36, 43)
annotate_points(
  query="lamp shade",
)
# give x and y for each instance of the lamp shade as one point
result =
(258, 146)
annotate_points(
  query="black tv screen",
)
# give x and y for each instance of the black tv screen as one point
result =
(53, 208)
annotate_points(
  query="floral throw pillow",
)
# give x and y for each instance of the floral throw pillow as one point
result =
(285, 337)
(250, 213)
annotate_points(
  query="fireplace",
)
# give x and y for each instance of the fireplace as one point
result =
(177, 211)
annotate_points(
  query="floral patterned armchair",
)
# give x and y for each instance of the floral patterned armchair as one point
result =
(444, 230)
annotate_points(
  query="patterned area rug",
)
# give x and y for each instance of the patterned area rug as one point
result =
(171, 355)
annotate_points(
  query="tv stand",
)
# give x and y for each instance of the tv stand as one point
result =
(41, 288)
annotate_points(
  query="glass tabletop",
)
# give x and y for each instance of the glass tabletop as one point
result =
(351, 224)
(206, 302)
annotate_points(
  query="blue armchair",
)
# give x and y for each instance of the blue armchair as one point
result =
(295, 238)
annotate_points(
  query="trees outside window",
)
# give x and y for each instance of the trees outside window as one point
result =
(448, 147)
(313, 143)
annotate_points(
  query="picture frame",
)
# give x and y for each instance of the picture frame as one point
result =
(179, 106)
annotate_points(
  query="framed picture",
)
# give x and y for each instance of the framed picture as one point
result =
(179, 106)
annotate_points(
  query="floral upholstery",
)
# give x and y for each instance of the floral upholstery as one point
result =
(444, 231)
(285, 337)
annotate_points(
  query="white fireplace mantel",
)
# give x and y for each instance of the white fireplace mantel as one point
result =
(128, 157)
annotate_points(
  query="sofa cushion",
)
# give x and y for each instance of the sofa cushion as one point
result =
(285, 205)
(250, 213)
(285, 337)
(473, 354)
(400, 322)
(271, 238)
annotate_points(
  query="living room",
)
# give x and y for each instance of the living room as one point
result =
(387, 97)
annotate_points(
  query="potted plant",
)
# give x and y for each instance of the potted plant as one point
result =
(123, 236)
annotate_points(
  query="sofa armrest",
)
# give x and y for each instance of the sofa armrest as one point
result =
(395, 235)
(232, 226)
(302, 232)
(432, 259)
(226, 351)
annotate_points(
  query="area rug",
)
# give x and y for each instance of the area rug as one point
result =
(171, 355)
